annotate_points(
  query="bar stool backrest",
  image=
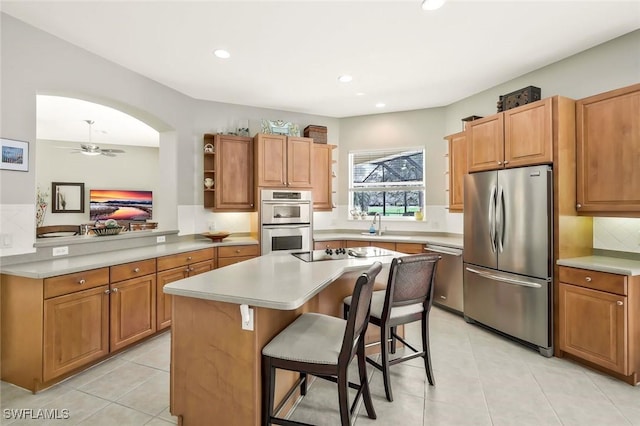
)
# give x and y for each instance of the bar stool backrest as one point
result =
(410, 281)
(359, 313)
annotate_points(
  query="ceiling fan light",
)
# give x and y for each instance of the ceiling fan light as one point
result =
(432, 4)
(90, 152)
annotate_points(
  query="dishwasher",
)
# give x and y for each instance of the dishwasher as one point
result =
(448, 280)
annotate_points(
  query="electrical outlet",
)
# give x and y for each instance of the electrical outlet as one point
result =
(161, 239)
(60, 251)
(6, 240)
(248, 325)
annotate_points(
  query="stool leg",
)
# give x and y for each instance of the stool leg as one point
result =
(394, 342)
(425, 348)
(268, 388)
(384, 346)
(303, 384)
(364, 382)
(345, 311)
(343, 397)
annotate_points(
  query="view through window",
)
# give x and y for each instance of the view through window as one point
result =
(389, 182)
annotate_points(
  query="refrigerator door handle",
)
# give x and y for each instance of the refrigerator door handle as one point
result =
(500, 219)
(504, 279)
(492, 218)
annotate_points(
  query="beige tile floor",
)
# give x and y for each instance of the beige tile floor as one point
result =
(481, 379)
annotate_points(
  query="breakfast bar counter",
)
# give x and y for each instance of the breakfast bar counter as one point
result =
(216, 357)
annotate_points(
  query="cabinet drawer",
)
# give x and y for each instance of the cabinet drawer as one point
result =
(226, 261)
(233, 251)
(410, 248)
(183, 259)
(334, 244)
(70, 283)
(603, 281)
(132, 270)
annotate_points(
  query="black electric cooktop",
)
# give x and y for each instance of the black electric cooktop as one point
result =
(341, 253)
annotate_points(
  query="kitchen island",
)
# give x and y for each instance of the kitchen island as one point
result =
(215, 363)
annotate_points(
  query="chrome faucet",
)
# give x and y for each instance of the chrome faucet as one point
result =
(379, 217)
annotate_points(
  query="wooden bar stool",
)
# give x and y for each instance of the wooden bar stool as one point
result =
(407, 299)
(322, 346)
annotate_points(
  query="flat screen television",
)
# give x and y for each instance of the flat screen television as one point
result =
(120, 205)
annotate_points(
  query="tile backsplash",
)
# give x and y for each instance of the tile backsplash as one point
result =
(619, 234)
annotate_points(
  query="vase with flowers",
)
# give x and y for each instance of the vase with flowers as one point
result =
(41, 206)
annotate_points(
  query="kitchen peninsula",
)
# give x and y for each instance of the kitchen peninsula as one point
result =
(215, 363)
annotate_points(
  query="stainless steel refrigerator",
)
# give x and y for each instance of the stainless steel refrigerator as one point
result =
(508, 229)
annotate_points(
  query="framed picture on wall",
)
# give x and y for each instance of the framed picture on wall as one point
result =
(15, 155)
(67, 197)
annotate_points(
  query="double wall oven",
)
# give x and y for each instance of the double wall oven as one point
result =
(286, 220)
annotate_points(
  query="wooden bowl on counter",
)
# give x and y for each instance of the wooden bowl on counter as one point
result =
(216, 237)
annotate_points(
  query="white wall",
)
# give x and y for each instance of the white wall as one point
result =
(136, 169)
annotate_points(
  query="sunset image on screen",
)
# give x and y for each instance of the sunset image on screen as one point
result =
(120, 204)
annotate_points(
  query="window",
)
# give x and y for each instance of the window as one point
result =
(389, 182)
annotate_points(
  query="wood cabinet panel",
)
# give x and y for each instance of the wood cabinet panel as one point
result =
(76, 330)
(226, 261)
(322, 177)
(608, 153)
(300, 162)
(528, 134)
(410, 248)
(271, 160)
(163, 301)
(457, 170)
(244, 250)
(69, 283)
(234, 187)
(132, 310)
(321, 245)
(131, 270)
(485, 147)
(356, 243)
(595, 280)
(184, 259)
(593, 326)
(383, 244)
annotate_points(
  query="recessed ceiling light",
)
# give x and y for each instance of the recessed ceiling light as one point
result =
(432, 4)
(359, 94)
(221, 53)
(345, 78)
(381, 105)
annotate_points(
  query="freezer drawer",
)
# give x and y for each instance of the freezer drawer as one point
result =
(448, 281)
(512, 304)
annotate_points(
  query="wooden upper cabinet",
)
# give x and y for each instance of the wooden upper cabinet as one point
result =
(485, 146)
(457, 170)
(521, 136)
(608, 153)
(528, 134)
(230, 165)
(322, 176)
(284, 161)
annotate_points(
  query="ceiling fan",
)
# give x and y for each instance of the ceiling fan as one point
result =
(92, 149)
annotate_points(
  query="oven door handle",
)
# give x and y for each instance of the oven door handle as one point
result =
(286, 202)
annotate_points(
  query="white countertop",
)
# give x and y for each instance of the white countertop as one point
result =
(452, 240)
(71, 264)
(276, 281)
(614, 265)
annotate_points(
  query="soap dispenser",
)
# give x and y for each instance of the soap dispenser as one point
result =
(372, 229)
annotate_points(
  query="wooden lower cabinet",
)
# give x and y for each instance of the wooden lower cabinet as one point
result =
(132, 310)
(332, 244)
(229, 255)
(76, 330)
(600, 320)
(163, 301)
(410, 248)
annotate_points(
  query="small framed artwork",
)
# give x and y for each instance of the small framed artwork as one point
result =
(67, 197)
(15, 155)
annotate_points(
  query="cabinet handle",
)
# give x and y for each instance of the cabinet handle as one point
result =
(189, 258)
(588, 279)
(115, 290)
(107, 291)
(499, 163)
(191, 269)
(237, 251)
(136, 270)
(81, 281)
(619, 303)
(578, 205)
(506, 162)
